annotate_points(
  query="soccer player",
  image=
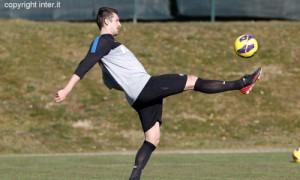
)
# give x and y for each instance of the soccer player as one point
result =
(145, 93)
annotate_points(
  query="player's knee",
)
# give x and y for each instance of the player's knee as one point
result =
(153, 139)
(190, 83)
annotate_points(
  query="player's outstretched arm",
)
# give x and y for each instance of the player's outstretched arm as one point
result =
(63, 93)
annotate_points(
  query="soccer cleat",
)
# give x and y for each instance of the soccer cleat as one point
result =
(250, 80)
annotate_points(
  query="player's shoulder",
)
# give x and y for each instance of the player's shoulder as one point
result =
(105, 41)
(106, 38)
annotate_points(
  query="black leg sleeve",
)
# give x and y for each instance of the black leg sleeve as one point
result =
(216, 86)
(141, 160)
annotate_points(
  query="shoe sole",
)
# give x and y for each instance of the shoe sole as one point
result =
(247, 89)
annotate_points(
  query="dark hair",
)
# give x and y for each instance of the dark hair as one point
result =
(104, 13)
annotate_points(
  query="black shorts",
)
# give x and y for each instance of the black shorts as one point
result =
(149, 104)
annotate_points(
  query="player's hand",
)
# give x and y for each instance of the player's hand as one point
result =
(60, 95)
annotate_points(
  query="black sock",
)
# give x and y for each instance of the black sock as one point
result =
(216, 86)
(141, 160)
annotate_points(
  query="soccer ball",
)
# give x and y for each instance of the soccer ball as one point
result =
(246, 45)
(296, 155)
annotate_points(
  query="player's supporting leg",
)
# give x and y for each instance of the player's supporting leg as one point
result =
(152, 137)
(245, 84)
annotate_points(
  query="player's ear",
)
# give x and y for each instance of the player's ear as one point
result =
(106, 21)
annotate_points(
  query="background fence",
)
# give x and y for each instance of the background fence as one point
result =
(150, 9)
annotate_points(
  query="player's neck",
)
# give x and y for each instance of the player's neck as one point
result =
(105, 31)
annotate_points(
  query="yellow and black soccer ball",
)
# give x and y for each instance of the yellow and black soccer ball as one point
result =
(296, 155)
(246, 45)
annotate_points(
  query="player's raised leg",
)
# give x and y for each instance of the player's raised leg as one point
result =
(245, 84)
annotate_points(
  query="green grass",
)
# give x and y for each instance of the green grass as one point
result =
(37, 58)
(216, 166)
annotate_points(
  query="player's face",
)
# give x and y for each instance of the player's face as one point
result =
(114, 23)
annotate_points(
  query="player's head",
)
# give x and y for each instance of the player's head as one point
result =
(108, 18)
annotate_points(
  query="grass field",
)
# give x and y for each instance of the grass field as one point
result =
(37, 59)
(163, 166)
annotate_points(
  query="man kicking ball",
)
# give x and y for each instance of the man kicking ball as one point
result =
(145, 93)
